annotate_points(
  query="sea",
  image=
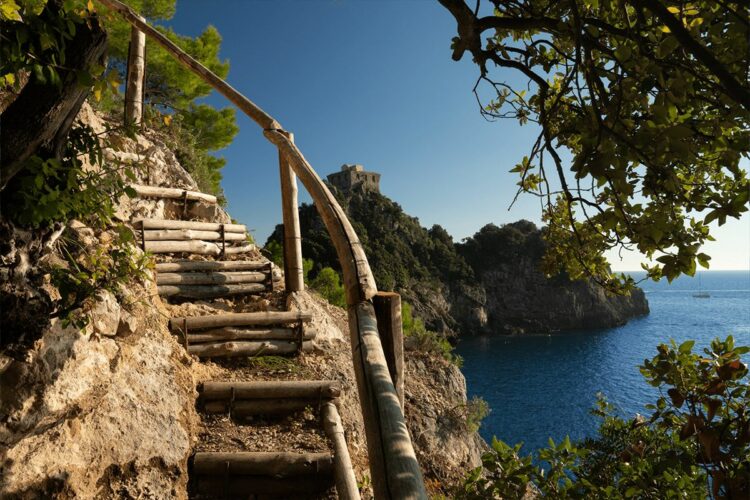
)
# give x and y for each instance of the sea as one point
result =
(543, 386)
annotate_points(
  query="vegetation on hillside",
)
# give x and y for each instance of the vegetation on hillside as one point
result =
(695, 443)
(650, 101)
(192, 129)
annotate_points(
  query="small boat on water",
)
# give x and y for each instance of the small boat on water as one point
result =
(701, 294)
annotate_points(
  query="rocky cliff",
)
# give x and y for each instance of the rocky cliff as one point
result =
(105, 407)
(490, 283)
(519, 298)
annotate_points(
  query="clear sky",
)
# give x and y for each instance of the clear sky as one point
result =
(372, 82)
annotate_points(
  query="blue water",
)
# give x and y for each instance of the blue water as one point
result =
(543, 386)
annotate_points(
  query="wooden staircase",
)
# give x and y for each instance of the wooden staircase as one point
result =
(277, 474)
(244, 474)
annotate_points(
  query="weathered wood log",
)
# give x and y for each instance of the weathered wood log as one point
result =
(210, 265)
(389, 446)
(194, 246)
(190, 234)
(135, 77)
(232, 333)
(246, 105)
(263, 318)
(251, 407)
(240, 348)
(358, 279)
(172, 193)
(302, 389)
(293, 268)
(209, 291)
(388, 312)
(343, 471)
(278, 464)
(250, 486)
(187, 224)
(210, 278)
(37, 122)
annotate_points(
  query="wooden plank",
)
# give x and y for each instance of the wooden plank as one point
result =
(393, 462)
(242, 348)
(275, 389)
(172, 193)
(136, 72)
(210, 265)
(280, 464)
(190, 234)
(210, 278)
(293, 268)
(232, 333)
(194, 246)
(343, 471)
(263, 318)
(209, 291)
(251, 407)
(388, 312)
(188, 224)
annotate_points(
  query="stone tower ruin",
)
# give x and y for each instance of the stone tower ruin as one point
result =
(354, 178)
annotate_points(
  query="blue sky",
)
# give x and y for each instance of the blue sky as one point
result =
(373, 83)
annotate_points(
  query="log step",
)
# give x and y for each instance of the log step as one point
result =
(210, 291)
(190, 234)
(264, 318)
(211, 265)
(305, 389)
(185, 224)
(243, 474)
(234, 349)
(211, 278)
(232, 333)
(198, 247)
(173, 193)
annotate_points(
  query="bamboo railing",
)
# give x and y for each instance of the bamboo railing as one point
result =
(394, 468)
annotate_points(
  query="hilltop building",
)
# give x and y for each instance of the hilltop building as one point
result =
(355, 178)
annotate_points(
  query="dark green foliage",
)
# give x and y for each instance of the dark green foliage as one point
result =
(695, 444)
(649, 100)
(401, 253)
(493, 246)
(275, 252)
(51, 190)
(193, 130)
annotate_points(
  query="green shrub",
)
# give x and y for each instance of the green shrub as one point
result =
(420, 339)
(695, 444)
(105, 267)
(328, 284)
(477, 410)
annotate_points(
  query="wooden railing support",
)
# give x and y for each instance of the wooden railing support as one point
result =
(136, 74)
(388, 312)
(293, 269)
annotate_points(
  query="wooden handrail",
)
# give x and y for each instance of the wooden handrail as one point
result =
(393, 463)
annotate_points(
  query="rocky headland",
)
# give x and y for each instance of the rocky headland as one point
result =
(490, 283)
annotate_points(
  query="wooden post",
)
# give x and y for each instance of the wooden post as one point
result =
(293, 272)
(136, 74)
(388, 311)
(343, 472)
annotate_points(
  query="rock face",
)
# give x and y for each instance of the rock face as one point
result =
(102, 412)
(520, 299)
